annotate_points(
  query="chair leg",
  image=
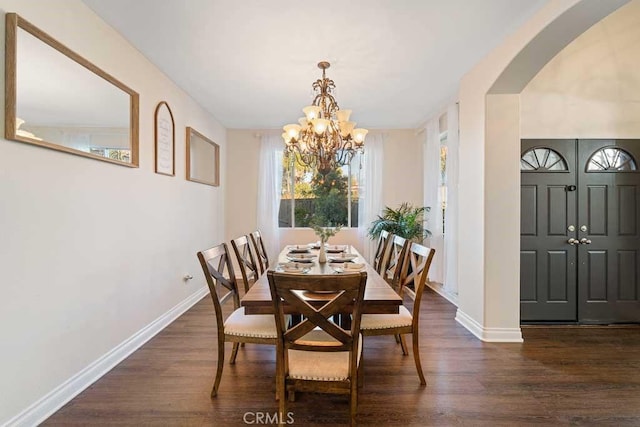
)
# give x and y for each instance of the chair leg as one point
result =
(234, 352)
(216, 382)
(353, 404)
(282, 401)
(416, 357)
(279, 386)
(397, 336)
(403, 344)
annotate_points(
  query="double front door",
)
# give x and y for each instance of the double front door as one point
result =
(580, 231)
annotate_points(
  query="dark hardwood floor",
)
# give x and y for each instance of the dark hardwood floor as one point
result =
(559, 376)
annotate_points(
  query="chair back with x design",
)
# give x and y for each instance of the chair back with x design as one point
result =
(419, 259)
(381, 250)
(417, 262)
(216, 263)
(394, 264)
(290, 290)
(261, 251)
(246, 261)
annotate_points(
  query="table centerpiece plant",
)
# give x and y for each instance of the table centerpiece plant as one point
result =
(323, 234)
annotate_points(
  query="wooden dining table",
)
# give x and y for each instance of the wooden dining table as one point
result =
(379, 297)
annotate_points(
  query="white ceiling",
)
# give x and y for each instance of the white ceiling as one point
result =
(251, 62)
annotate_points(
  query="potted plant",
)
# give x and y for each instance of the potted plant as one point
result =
(406, 221)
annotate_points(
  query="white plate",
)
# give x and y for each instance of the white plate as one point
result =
(301, 257)
(335, 249)
(346, 267)
(292, 267)
(352, 266)
(295, 252)
(342, 257)
(295, 270)
(298, 249)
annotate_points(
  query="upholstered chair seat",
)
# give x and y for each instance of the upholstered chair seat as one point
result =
(317, 366)
(387, 321)
(253, 325)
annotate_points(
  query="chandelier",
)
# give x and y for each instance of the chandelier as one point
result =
(325, 138)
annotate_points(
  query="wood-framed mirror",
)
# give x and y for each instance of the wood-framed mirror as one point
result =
(57, 99)
(203, 159)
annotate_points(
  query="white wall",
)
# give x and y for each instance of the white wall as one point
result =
(591, 89)
(241, 205)
(93, 252)
(402, 171)
(402, 182)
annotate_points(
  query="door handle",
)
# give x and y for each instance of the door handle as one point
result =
(585, 241)
(573, 241)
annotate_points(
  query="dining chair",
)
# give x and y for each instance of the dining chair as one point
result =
(261, 252)
(317, 354)
(246, 261)
(238, 327)
(394, 262)
(405, 322)
(381, 250)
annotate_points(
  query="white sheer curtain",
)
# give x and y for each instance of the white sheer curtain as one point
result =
(451, 213)
(370, 197)
(269, 191)
(433, 197)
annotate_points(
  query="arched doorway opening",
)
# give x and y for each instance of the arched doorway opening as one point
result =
(489, 272)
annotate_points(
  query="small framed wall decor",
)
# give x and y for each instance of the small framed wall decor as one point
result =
(165, 140)
(203, 159)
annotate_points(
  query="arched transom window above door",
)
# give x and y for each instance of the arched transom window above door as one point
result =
(542, 159)
(611, 159)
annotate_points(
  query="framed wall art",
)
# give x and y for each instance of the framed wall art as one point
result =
(165, 140)
(203, 159)
(57, 99)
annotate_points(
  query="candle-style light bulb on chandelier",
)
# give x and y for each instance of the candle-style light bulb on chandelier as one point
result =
(325, 138)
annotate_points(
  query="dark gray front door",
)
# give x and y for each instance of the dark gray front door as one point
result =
(580, 231)
(609, 229)
(548, 210)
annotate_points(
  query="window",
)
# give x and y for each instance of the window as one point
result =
(443, 176)
(611, 159)
(330, 199)
(112, 153)
(542, 159)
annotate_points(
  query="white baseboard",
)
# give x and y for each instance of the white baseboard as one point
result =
(440, 290)
(488, 334)
(58, 397)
